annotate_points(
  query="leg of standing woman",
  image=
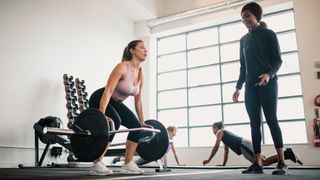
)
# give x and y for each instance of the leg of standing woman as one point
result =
(269, 99)
(253, 108)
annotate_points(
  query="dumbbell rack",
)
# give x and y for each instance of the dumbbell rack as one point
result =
(77, 101)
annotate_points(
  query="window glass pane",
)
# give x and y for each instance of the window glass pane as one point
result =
(290, 64)
(290, 108)
(292, 132)
(176, 117)
(181, 138)
(230, 71)
(202, 137)
(243, 131)
(230, 52)
(228, 90)
(172, 44)
(235, 113)
(286, 19)
(202, 38)
(172, 80)
(204, 115)
(206, 75)
(171, 62)
(171, 99)
(204, 95)
(289, 85)
(232, 32)
(203, 56)
(287, 42)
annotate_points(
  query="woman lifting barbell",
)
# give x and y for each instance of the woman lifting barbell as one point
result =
(126, 79)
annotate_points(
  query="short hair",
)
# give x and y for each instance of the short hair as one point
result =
(171, 128)
(218, 125)
(254, 8)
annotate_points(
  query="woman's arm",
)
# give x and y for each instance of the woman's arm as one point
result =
(175, 154)
(137, 98)
(215, 148)
(117, 73)
(275, 54)
(225, 155)
(242, 75)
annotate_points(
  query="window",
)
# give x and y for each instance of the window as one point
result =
(197, 73)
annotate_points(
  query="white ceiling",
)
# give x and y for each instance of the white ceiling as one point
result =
(136, 10)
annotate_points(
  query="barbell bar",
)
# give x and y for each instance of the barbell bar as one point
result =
(59, 131)
(90, 133)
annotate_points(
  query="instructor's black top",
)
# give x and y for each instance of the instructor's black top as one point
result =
(259, 53)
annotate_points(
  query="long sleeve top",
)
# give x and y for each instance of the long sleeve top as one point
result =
(259, 53)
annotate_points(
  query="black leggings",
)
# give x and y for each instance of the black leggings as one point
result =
(119, 113)
(265, 97)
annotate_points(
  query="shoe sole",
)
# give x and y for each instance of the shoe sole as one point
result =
(280, 174)
(252, 172)
(93, 173)
(130, 172)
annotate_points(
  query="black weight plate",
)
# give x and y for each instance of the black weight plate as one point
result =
(158, 147)
(89, 148)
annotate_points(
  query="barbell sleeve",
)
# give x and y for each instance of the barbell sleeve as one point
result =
(59, 131)
(135, 129)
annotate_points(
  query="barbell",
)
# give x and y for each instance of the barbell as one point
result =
(90, 133)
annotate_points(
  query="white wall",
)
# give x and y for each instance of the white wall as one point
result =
(40, 41)
(308, 40)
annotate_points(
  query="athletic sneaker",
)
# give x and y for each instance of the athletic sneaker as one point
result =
(131, 168)
(282, 169)
(100, 169)
(293, 156)
(255, 168)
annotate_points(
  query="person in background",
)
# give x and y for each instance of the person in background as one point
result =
(241, 146)
(172, 130)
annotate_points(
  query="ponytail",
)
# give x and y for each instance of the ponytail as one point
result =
(127, 56)
(264, 24)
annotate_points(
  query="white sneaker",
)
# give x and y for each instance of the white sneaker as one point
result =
(131, 168)
(100, 169)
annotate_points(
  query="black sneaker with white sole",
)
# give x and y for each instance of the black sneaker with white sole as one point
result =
(255, 168)
(289, 154)
(281, 169)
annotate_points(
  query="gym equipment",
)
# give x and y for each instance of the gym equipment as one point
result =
(157, 147)
(317, 101)
(90, 132)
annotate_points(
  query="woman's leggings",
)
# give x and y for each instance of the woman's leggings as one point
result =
(265, 97)
(119, 113)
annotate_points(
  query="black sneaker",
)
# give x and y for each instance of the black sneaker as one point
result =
(255, 168)
(282, 169)
(293, 156)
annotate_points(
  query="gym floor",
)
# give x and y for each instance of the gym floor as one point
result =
(221, 173)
